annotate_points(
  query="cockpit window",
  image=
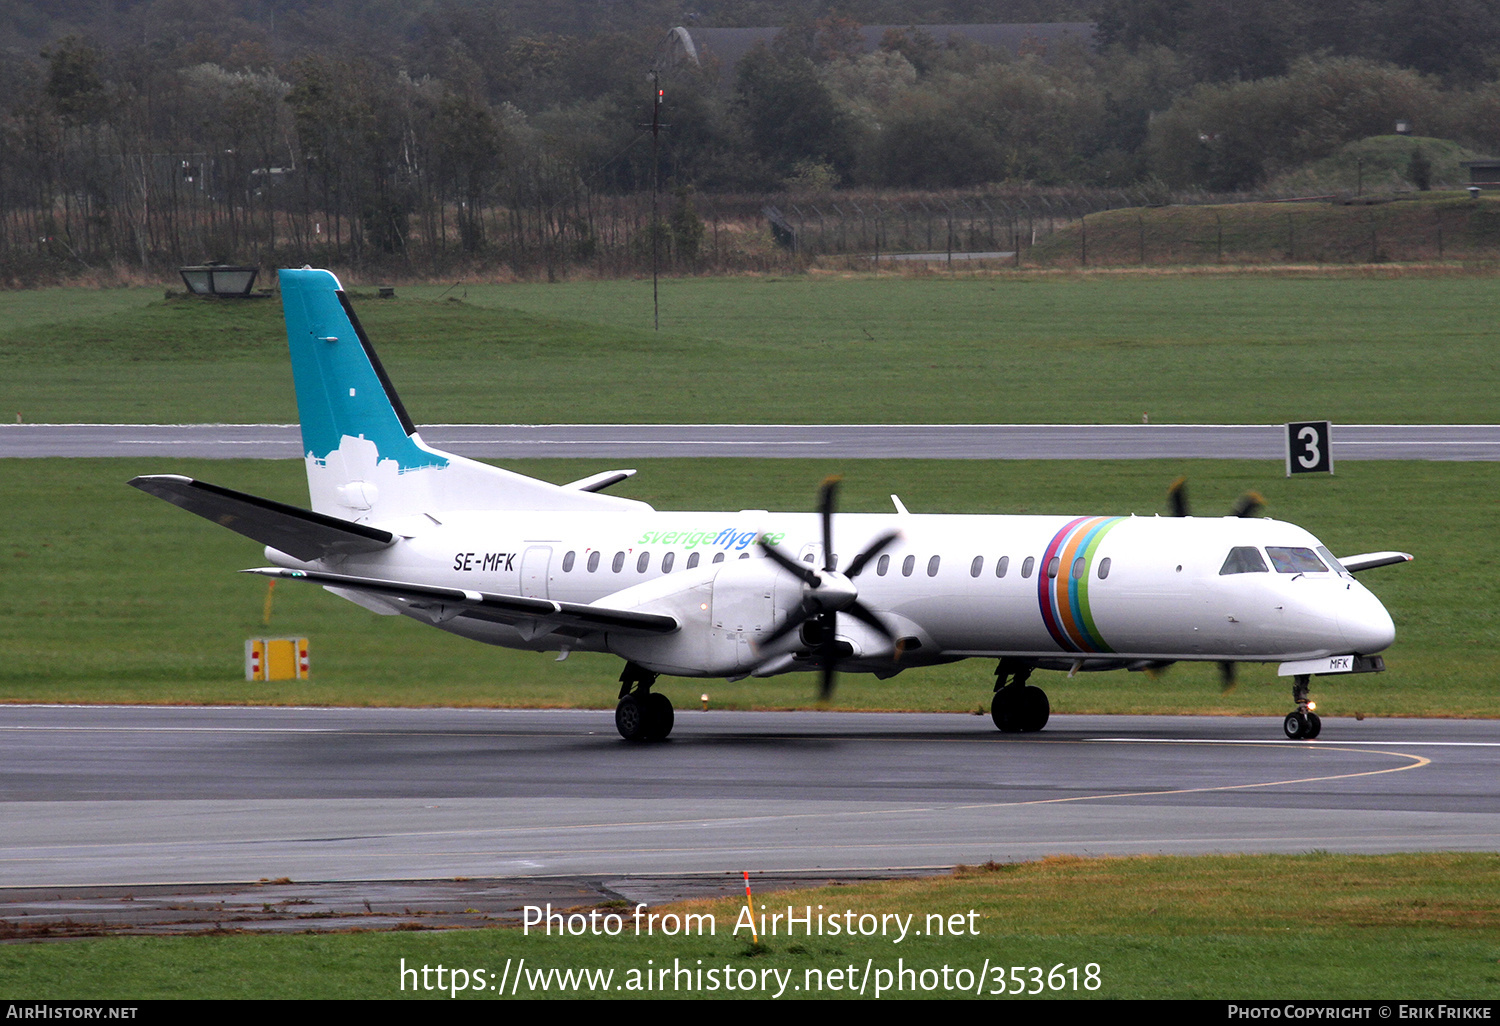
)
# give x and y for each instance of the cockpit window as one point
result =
(1244, 559)
(1331, 559)
(1288, 559)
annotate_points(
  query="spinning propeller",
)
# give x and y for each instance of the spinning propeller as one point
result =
(826, 593)
(1246, 505)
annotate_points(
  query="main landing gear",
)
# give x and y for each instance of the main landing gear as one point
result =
(1304, 724)
(642, 715)
(1018, 707)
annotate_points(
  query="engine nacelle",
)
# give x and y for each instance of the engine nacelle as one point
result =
(724, 609)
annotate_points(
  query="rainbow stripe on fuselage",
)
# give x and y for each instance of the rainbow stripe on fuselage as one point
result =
(1064, 599)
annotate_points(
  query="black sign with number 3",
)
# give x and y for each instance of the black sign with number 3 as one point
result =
(1309, 448)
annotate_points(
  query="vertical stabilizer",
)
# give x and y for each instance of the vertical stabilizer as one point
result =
(365, 459)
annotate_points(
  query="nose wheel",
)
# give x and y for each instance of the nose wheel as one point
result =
(1304, 724)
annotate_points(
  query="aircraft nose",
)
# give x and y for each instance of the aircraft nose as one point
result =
(1364, 623)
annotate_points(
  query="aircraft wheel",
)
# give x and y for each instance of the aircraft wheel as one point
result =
(659, 716)
(1018, 710)
(1003, 712)
(1035, 709)
(1314, 726)
(631, 719)
(1296, 726)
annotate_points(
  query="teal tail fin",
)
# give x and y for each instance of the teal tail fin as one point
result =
(342, 390)
(365, 458)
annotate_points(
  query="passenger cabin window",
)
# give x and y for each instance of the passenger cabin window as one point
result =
(568, 562)
(1027, 566)
(932, 566)
(593, 561)
(1052, 568)
(1290, 559)
(1001, 566)
(643, 562)
(882, 565)
(977, 567)
(619, 563)
(1079, 569)
(667, 561)
(907, 565)
(692, 560)
(718, 557)
(1104, 568)
(1244, 559)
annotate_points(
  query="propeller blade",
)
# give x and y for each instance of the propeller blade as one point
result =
(1249, 504)
(826, 496)
(799, 616)
(876, 547)
(1177, 497)
(801, 571)
(828, 653)
(863, 614)
(1226, 677)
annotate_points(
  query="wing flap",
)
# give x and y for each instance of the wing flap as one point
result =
(571, 616)
(295, 531)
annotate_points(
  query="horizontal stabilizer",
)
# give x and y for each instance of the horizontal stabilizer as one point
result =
(1370, 560)
(297, 532)
(444, 602)
(599, 482)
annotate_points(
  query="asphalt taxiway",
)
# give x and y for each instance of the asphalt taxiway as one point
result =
(139, 797)
(774, 441)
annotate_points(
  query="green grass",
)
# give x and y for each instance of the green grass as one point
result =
(153, 611)
(1316, 926)
(985, 349)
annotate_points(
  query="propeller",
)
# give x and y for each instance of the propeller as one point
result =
(1246, 505)
(827, 592)
(1227, 680)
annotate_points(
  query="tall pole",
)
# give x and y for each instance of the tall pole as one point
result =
(655, 192)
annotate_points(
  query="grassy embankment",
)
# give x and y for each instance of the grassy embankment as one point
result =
(1364, 230)
(1315, 926)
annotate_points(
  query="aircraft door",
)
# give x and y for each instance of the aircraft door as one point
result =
(535, 565)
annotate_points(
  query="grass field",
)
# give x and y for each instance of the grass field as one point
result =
(1027, 348)
(1316, 926)
(155, 612)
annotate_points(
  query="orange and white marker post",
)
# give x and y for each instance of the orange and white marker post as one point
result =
(750, 907)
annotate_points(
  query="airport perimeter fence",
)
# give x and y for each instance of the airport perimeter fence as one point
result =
(571, 231)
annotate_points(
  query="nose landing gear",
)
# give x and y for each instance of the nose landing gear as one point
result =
(642, 714)
(1304, 724)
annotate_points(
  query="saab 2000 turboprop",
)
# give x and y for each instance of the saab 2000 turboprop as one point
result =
(401, 528)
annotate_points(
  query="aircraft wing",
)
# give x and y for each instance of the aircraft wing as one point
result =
(1370, 560)
(442, 603)
(295, 531)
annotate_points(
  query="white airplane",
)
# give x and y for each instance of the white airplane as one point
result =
(401, 528)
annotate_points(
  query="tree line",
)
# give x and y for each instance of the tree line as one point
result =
(162, 132)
